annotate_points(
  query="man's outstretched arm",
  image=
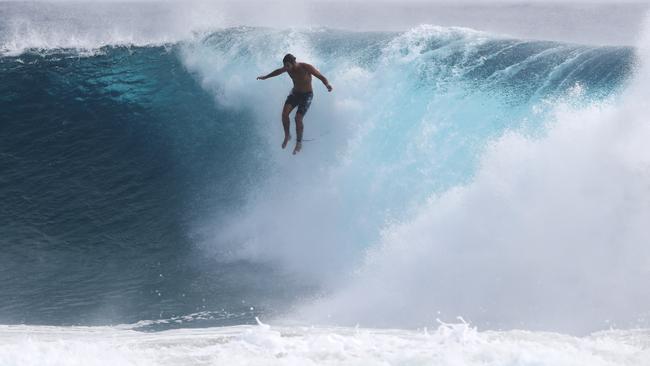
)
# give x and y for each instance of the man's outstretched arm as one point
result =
(320, 76)
(272, 74)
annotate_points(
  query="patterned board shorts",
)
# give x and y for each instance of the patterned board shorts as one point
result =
(302, 100)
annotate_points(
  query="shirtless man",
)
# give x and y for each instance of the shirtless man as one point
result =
(300, 96)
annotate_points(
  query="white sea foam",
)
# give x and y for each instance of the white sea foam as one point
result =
(449, 344)
(551, 233)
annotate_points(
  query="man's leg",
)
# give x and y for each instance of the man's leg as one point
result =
(299, 128)
(286, 123)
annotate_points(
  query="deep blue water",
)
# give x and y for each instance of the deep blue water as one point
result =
(104, 161)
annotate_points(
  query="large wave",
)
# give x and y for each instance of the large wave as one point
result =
(451, 172)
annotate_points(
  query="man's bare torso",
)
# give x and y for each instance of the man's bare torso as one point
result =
(301, 78)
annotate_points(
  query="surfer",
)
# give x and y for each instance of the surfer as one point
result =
(300, 96)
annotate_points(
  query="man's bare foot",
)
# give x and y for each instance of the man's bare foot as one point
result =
(286, 140)
(297, 148)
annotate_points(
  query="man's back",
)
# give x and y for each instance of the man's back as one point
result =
(301, 78)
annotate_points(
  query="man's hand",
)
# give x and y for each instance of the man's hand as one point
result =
(329, 87)
(272, 74)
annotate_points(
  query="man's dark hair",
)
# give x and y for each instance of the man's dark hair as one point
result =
(289, 58)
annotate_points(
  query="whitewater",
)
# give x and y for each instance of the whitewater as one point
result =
(267, 345)
(463, 197)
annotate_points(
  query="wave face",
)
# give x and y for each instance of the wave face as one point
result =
(105, 162)
(146, 181)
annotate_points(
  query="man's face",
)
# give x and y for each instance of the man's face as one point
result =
(289, 65)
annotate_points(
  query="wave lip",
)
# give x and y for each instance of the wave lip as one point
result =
(88, 27)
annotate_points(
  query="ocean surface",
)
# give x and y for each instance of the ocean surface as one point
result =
(462, 197)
